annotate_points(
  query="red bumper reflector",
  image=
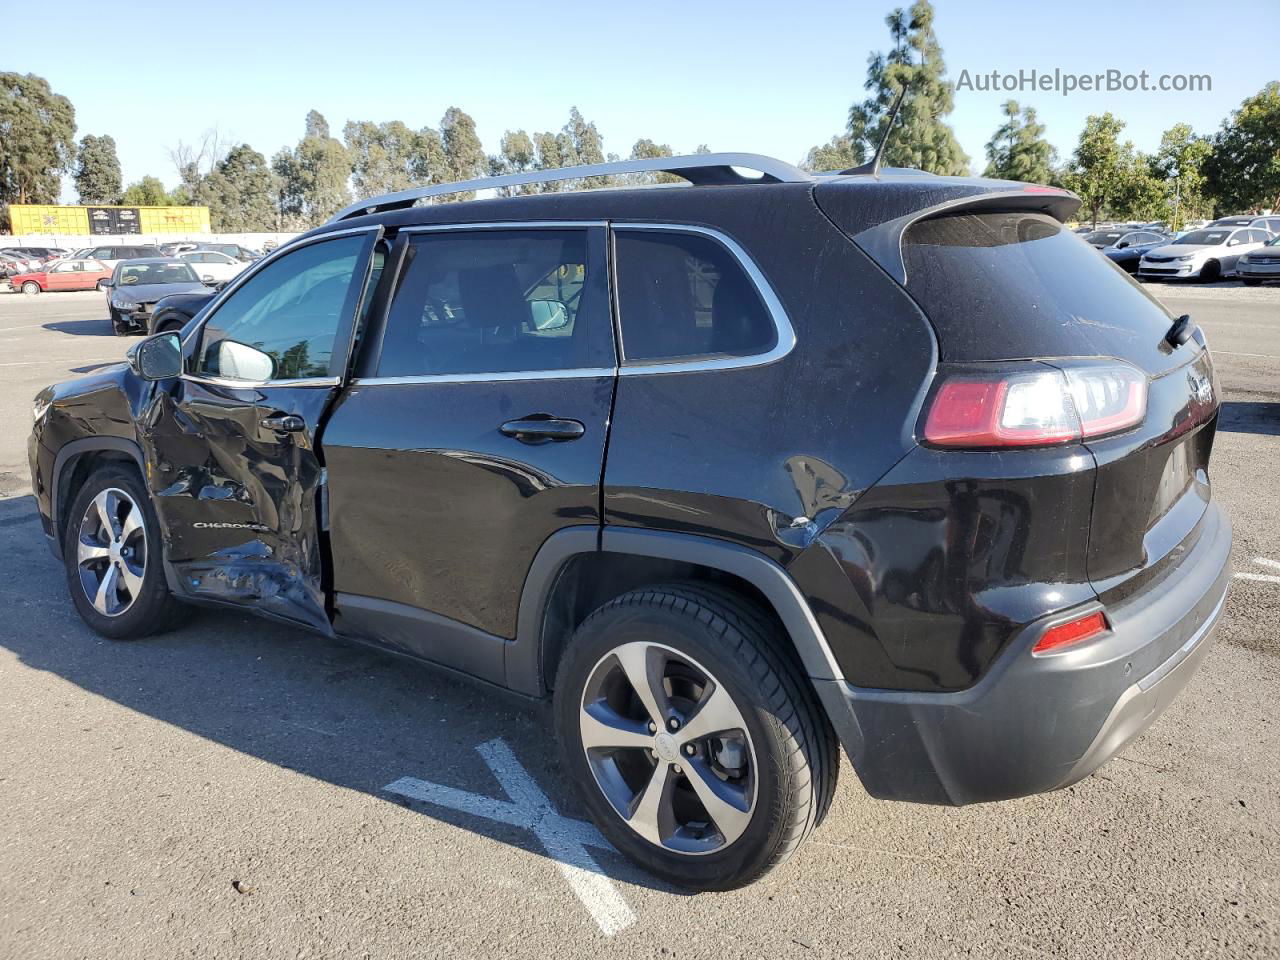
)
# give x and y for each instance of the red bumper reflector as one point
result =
(1075, 631)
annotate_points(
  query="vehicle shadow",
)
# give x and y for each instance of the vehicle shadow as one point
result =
(82, 328)
(338, 712)
(1262, 417)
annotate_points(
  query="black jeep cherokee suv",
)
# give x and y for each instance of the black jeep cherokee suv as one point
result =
(730, 472)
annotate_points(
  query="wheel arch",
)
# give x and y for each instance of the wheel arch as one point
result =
(73, 465)
(579, 568)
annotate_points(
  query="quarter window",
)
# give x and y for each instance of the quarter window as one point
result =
(685, 295)
(498, 301)
(281, 324)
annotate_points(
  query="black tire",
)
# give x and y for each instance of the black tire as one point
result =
(118, 326)
(1211, 272)
(794, 748)
(154, 609)
(1250, 281)
(167, 322)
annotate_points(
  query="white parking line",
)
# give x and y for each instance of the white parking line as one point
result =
(565, 840)
(1262, 577)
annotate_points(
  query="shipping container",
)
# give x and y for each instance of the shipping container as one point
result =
(32, 218)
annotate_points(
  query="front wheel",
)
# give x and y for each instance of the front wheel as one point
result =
(1251, 281)
(30, 288)
(112, 554)
(696, 745)
(1210, 272)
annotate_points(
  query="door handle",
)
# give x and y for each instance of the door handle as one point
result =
(284, 423)
(542, 429)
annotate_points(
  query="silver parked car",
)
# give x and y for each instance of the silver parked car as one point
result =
(1207, 254)
(1263, 264)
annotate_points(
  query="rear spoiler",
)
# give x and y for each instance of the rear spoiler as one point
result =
(881, 239)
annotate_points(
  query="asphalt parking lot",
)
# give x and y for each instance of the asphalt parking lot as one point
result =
(223, 790)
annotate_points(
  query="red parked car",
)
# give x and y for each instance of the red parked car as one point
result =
(62, 275)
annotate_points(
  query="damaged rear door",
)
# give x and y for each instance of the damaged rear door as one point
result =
(233, 462)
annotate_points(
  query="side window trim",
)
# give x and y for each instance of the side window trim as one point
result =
(786, 337)
(194, 336)
(396, 263)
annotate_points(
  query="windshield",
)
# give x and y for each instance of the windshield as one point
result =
(156, 273)
(1104, 237)
(1205, 237)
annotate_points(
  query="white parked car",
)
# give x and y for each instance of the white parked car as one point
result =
(1206, 254)
(213, 267)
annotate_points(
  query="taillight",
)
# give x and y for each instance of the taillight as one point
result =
(1035, 407)
(1072, 632)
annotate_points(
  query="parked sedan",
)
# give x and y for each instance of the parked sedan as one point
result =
(1263, 264)
(136, 285)
(243, 254)
(1205, 254)
(213, 267)
(1125, 248)
(63, 275)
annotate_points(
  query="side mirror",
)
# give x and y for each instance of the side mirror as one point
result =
(207, 279)
(549, 314)
(158, 357)
(105, 283)
(1122, 244)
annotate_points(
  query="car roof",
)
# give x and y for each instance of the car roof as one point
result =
(718, 188)
(137, 260)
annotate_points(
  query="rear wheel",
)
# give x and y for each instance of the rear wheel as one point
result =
(112, 552)
(696, 745)
(1210, 272)
(30, 288)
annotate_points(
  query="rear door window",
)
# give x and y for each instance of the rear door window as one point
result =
(684, 296)
(499, 301)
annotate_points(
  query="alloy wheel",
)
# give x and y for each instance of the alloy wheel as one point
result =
(668, 748)
(111, 551)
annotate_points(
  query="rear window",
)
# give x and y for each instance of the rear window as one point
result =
(1015, 285)
(683, 296)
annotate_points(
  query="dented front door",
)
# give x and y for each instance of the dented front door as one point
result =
(233, 460)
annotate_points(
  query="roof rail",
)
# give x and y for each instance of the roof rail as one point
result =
(698, 169)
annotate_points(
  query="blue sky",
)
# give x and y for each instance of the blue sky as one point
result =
(763, 77)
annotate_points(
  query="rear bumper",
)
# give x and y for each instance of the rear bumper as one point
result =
(1034, 724)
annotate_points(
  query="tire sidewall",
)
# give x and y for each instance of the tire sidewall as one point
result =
(145, 614)
(754, 849)
(30, 288)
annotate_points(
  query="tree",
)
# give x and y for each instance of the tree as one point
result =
(312, 179)
(464, 154)
(36, 145)
(921, 139)
(1243, 172)
(387, 157)
(195, 161)
(97, 173)
(1097, 169)
(1018, 150)
(839, 153)
(644, 149)
(1140, 195)
(1180, 161)
(147, 192)
(240, 192)
(577, 142)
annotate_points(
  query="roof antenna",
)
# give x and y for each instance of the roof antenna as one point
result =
(873, 166)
